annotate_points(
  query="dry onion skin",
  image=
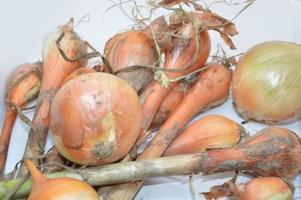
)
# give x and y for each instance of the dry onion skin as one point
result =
(95, 119)
(58, 188)
(266, 82)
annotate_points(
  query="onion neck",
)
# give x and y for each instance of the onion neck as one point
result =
(37, 176)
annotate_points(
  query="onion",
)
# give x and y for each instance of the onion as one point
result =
(263, 188)
(95, 119)
(212, 131)
(54, 161)
(132, 48)
(266, 82)
(23, 85)
(59, 188)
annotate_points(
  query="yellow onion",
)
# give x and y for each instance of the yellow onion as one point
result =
(266, 82)
(95, 118)
(58, 188)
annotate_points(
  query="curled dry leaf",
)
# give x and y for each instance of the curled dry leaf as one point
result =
(206, 20)
(159, 28)
(172, 2)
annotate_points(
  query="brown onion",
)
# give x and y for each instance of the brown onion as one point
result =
(95, 119)
(132, 48)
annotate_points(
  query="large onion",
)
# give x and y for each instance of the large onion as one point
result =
(267, 82)
(95, 119)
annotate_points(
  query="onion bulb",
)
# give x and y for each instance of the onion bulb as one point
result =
(132, 48)
(262, 188)
(266, 82)
(212, 131)
(95, 119)
(58, 188)
(23, 85)
(266, 188)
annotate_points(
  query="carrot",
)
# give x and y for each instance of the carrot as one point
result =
(211, 89)
(168, 105)
(59, 47)
(181, 56)
(211, 131)
(23, 85)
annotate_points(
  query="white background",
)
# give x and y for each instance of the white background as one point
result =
(24, 24)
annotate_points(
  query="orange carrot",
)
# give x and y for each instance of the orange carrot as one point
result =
(211, 89)
(168, 105)
(23, 85)
(211, 131)
(58, 47)
(181, 56)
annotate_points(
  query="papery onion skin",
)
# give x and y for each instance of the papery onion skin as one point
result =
(95, 119)
(132, 48)
(266, 82)
(267, 188)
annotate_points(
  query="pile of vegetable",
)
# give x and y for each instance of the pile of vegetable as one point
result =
(153, 81)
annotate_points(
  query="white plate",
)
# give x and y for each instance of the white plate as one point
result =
(24, 24)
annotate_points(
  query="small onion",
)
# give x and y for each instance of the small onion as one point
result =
(266, 82)
(95, 119)
(209, 132)
(266, 188)
(262, 188)
(128, 49)
(58, 188)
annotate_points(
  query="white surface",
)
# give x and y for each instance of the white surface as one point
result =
(24, 24)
